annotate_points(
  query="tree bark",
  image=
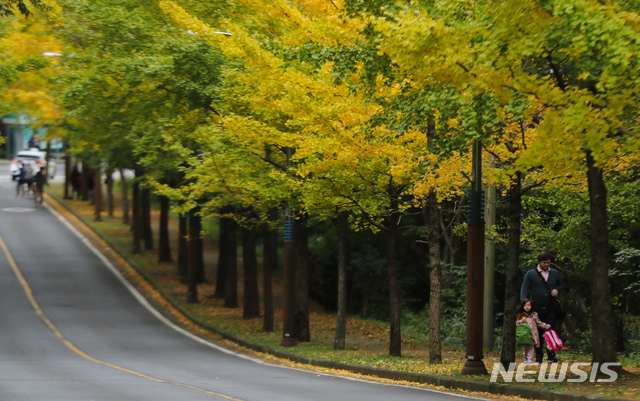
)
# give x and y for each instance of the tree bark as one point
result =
(193, 265)
(603, 332)
(97, 195)
(432, 220)
(303, 331)
(183, 247)
(110, 203)
(84, 185)
(164, 245)
(251, 307)
(67, 173)
(341, 320)
(125, 197)
(488, 314)
(136, 223)
(147, 230)
(198, 245)
(395, 330)
(231, 264)
(514, 275)
(221, 274)
(269, 265)
(47, 156)
(435, 277)
(453, 242)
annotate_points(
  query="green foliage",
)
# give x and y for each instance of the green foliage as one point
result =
(352, 92)
(25, 7)
(453, 327)
(632, 337)
(627, 269)
(558, 221)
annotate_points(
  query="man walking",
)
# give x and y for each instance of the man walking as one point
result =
(544, 284)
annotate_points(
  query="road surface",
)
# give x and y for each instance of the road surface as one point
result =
(70, 329)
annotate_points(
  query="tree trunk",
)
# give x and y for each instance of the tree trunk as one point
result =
(452, 242)
(125, 197)
(164, 245)
(97, 196)
(488, 314)
(136, 223)
(303, 332)
(366, 303)
(435, 276)
(341, 320)
(395, 331)
(67, 173)
(183, 247)
(47, 156)
(269, 265)
(193, 263)
(147, 230)
(198, 245)
(603, 332)
(86, 178)
(250, 264)
(110, 203)
(514, 276)
(221, 274)
(231, 264)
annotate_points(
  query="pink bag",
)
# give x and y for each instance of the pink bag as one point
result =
(553, 341)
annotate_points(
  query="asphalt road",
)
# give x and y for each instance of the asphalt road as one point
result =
(70, 329)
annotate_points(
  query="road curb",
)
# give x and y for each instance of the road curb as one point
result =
(453, 383)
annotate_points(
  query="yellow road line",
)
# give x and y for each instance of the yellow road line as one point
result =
(71, 346)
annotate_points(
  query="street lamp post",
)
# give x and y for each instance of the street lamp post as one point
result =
(475, 268)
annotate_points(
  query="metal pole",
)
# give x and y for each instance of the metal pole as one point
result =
(475, 269)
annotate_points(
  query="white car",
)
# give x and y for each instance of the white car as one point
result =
(36, 158)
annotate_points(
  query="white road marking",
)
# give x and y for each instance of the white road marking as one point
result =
(16, 209)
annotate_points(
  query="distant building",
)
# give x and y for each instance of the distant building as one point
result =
(18, 133)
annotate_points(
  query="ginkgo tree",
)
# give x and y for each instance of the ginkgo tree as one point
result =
(574, 59)
(27, 74)
(326, 120)
(137, 80)
(24, 7)
(377, 123)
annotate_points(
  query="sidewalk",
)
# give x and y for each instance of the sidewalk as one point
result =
(177, 314)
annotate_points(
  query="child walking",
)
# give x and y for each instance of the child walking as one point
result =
(527, 315)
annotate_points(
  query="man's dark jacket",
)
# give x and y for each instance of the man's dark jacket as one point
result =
(540, 296)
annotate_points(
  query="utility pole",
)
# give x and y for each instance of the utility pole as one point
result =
(475, 268)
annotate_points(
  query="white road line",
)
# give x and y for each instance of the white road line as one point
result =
(169, 323)
(139, 296)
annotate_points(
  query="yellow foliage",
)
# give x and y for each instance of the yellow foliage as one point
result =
(30, 39)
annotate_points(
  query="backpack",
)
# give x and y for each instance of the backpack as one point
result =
(554, 342)
(28, 171)
(523, 334)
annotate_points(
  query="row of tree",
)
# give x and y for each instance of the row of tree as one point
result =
(363, 113)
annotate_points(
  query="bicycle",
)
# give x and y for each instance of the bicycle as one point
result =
(37, 196)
